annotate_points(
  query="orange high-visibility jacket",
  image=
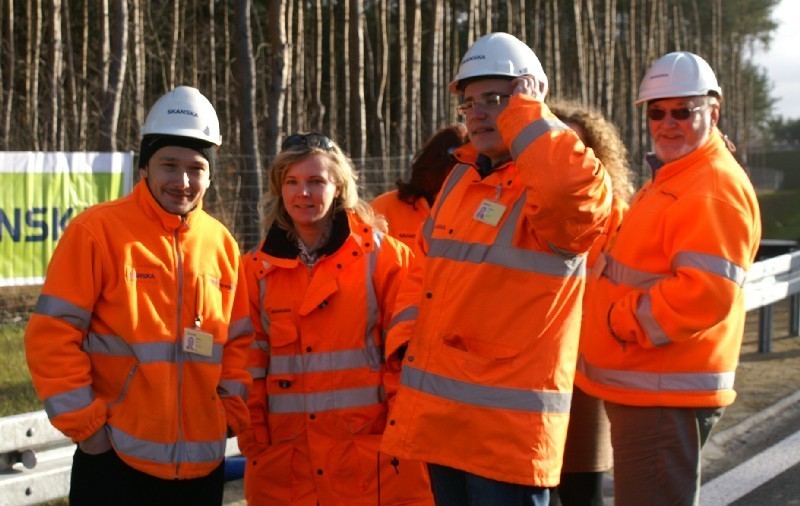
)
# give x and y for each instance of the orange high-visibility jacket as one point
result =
(104, 344)
(404, 219)
(665, 306)
(318, 402)
(491, 310)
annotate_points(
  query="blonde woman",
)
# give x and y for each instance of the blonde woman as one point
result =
(322, 286)
(588, 455)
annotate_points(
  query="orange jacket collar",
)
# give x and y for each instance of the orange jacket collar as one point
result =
(153, 210)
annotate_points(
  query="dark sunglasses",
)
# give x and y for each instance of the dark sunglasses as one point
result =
(681, 114)
(309, 140)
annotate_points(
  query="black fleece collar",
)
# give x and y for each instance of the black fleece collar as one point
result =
(278, 244)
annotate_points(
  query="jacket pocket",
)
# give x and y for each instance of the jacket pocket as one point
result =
(97, 443)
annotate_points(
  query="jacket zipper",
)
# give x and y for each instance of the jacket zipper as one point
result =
(179, 345)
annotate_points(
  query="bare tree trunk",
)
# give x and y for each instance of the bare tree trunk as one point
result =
(173, 53)
(358, 119)
(83, 133)
(277, 34)
(430, 64)
(401, 146)
(212, 57)
(8, 83)
(32, 66)
(55, 143)
(333, 96)
(299, 65)
(250, 189)
(580, 49)
(71, 123)
(610, 55)
(226, 79)
(139, 56)
(289, 123)
(116, 79)
(413, 76)
(318, 107)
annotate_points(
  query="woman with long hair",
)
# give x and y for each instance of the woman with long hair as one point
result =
(322, 286)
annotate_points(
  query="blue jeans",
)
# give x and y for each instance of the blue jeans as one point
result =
(453, 487)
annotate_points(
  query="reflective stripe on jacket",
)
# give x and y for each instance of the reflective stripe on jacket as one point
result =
(491, 312)
(665, 316)
(104, 344)
(318, 402)
(404, 219)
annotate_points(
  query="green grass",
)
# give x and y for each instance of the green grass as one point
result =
(16, 390)
(780, 214)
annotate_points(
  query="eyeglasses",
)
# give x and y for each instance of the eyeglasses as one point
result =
(490, 102)
(309, 140)
(681, 114)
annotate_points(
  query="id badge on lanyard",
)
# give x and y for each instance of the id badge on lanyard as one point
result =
(491, 211)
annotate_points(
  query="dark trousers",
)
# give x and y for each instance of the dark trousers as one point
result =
(657, 453)
(453, 487)
(106, 479)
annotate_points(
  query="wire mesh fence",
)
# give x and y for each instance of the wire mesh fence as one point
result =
(376, 175)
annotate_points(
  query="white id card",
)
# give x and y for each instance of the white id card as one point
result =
(490, 212)
(198, 342)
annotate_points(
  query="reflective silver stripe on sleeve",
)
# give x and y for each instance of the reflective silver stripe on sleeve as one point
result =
(106, 344)
(324, 361)
(232, 388)
(167, 453)
(657, 382)
(56, 307)
(257, 372)
(654, 332)
(408, 314)
(485, 396)
(712, 264)
(67, 402)
(240, 328)
(530, 133)
(620, 274)
(327, 401)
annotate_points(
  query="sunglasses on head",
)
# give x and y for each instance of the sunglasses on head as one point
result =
(309, 140)
(681, 114)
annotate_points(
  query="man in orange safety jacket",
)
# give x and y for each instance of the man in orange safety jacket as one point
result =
(665, 306)
(491, 309)
(139, 340)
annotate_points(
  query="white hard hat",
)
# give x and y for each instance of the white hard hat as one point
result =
(183, 112)
(498, 54)
(679, 74)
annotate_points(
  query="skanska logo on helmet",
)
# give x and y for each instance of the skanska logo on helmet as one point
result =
(473, 57)
(186, 112)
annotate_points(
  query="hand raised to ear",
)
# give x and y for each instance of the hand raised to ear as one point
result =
(531, 86)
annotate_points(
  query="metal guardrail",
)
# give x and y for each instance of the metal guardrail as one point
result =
(770, 281)
(35, 459)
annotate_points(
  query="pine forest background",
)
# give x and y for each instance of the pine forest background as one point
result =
(80, 75)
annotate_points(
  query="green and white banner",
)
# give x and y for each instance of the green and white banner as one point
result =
(40, 193)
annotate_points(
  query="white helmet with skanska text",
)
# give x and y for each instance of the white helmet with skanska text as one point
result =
(498, 55)
(183, 112)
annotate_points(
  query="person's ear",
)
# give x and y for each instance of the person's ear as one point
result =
(714, 115)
